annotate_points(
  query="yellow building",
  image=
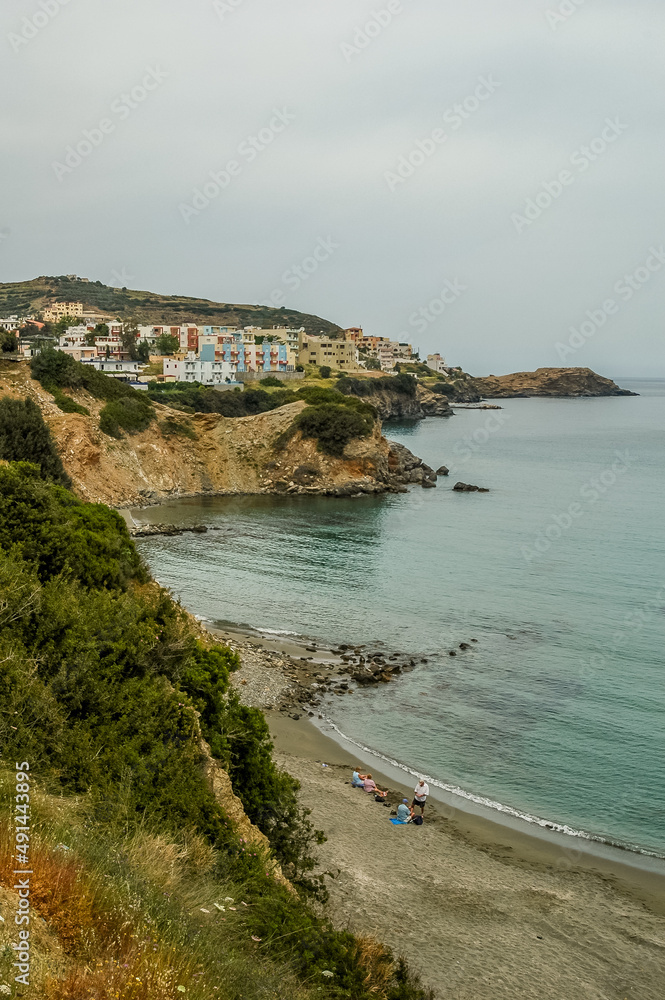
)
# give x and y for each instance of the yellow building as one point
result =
(57, 310)
(341, 354)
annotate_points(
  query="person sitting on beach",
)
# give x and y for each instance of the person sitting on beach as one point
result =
(404, 811)
(370, 786)
(358, 779)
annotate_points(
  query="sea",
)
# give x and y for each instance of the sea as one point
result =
(556, 713)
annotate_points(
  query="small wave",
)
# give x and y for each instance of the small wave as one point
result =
(278, 631)
(487, 803)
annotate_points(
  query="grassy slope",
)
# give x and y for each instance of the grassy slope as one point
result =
(32, 296)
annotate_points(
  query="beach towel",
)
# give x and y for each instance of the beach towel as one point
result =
(398, 822)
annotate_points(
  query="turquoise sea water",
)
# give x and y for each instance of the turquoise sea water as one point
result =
(558, 711)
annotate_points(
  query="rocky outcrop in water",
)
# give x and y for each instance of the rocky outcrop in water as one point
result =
(406, 467)
(467, 488)
(563, 382)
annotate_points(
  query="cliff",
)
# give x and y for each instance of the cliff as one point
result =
(564, 382)
(392, 403)
(181, 455)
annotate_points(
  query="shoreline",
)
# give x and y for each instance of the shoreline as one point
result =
(292, 705)
(481, 911)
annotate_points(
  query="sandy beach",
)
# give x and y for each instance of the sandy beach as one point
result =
(481, 913)
(480, 910)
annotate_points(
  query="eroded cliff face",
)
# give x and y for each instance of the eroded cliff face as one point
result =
(399, 406)
(219, 455)
(549, 382)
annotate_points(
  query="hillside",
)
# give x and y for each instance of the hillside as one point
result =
(562, 382)
(160, 850)
(150, 307)
(179, 454)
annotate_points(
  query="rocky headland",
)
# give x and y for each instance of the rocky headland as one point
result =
(217, 455)
(556, 382)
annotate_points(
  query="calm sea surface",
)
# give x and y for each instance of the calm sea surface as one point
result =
(558, 711)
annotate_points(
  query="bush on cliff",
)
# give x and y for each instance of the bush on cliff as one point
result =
(402, 384)
(131, 414)
(53, 368)
(333, 426)
(24, 437)
(126, 409)
(59, 535)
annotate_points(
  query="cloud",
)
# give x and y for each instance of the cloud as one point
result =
(324, 176)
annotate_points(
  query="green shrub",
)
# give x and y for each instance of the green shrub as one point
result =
(325, 371)
(24, 437)
(100, 688)
(444, 388)
(401, 384)
(54, 369)
(271, 381)
(8, 342)
(58, 534)
(333, 426)
(131, 413)
(67, 404)
(178, 428)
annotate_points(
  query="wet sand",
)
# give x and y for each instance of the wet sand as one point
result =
(480, 910)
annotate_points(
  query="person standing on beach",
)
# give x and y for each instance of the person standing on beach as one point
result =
(421, 791)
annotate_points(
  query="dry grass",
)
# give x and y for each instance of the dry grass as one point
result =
(125, 920)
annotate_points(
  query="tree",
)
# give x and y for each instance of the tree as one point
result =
(24, 437)
(128, 339)
(63, 324)
(166, 344)
(8, 342)
(325, 371)
(143, 351)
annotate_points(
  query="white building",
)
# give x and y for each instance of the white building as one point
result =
(203, 369)
(126, 371)
(436, 363)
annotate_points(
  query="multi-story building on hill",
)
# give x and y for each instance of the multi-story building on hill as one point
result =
(203, 368)
(57, 310)
(342, 354)
(436, 363)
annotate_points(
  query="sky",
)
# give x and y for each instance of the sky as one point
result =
(481, 179)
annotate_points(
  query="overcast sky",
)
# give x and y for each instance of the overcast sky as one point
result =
(521, 235)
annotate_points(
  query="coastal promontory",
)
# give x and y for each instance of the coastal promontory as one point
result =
(556, 382)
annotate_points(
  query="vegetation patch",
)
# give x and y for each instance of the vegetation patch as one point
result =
(67, 404)
(132, 414)
(106, 689)
(402, 384)
(333, 426)
(24, 437)
(171, 427)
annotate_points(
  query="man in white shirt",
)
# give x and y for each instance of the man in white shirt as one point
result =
(421, 791)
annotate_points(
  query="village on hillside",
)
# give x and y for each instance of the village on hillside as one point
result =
(218, 356)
